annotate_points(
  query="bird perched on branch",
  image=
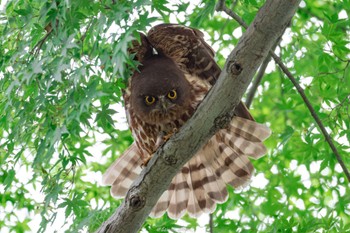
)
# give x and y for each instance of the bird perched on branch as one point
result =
(176, 71)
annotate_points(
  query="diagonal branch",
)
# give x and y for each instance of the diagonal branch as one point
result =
(223, 7)
(260, 75)
(313, 113)
(211, 225)
(38, 46)
(238, 71)
(257, 80)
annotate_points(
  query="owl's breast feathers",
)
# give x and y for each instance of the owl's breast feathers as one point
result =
(148, 135)
(223, 160)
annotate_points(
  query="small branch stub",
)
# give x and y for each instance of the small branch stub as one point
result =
(134, 199)
(222, 121)
(170, 160)
(136, 202)
(235, 68)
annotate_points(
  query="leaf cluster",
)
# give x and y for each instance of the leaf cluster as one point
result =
(63, 65)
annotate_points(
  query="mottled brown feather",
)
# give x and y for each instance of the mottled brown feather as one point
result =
(186, 46)
(141, 48)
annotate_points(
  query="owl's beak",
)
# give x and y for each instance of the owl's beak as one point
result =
(163, 104)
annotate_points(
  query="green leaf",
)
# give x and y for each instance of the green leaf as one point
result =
(10, 176)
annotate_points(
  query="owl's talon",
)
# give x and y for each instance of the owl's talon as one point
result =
(168, 136)
(145, 161)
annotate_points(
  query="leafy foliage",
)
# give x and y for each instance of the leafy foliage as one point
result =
(63, 65)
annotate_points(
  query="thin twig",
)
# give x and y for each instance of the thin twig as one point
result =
(38, 46)
(313, 113)
(222, 7)
(82, 38)
(256, 81)
(259, 76)
(211, 223)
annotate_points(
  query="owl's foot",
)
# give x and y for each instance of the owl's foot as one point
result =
(166, 137)
(145, 161)
(160, 141)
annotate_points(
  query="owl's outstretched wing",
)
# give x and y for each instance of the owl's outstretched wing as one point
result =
(141, 48)
(188, 49)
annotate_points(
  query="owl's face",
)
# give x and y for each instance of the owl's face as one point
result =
(161, 92)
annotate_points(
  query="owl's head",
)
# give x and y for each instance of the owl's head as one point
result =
(160, 91)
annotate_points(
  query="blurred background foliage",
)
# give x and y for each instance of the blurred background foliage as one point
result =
(63, 65)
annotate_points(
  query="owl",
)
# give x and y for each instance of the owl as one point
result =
(176, 70)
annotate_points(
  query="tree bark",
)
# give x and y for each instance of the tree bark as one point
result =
(222, 99)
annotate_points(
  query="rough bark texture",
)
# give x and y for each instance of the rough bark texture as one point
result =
(238, 72)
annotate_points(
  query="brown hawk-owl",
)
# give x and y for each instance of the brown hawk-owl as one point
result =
(176, 72)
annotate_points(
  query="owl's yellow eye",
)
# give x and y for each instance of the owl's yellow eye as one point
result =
(149, 99)
(172, 95)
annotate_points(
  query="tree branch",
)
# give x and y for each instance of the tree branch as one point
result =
(256, 81)
(38, 46)
(234, 79)
(223, 7)
(259, 76)
(313, 113)
(211, 225)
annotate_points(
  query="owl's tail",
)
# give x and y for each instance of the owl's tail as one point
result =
(123, 172)
(202, 181)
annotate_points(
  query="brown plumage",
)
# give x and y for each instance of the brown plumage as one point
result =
(159, 99)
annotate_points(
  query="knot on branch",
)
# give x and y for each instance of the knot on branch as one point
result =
(170, 160)
(108, 227)
(234, 68)
(136, 201)
(222, 121)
